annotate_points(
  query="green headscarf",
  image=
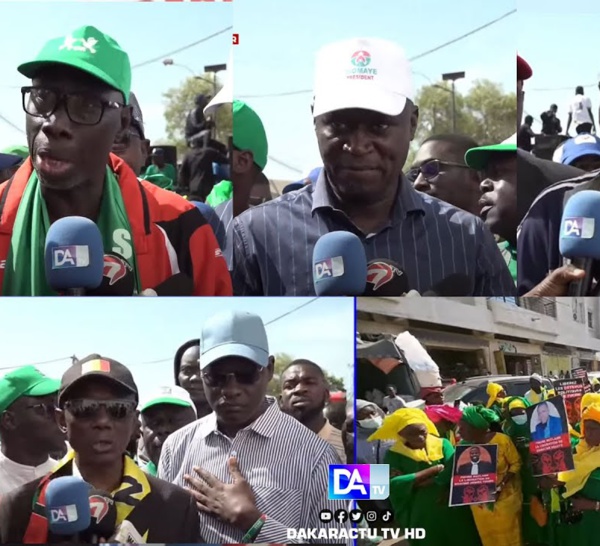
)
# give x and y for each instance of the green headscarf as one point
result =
(480, 417)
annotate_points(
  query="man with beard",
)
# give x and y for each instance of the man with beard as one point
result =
(439, 170)
(97, 410)
(304, 394)
(28, 432)
(168, 410)
(254, 471)
(77, 107)
(365, 119)
(187, 375)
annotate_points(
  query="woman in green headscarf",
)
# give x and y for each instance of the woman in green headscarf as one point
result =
(418, 494)
(535, 517)
(499, 523)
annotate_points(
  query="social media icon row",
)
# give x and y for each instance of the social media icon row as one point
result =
(356, 516)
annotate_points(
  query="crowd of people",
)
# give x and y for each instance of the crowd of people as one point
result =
(209, 458)
(419, 445)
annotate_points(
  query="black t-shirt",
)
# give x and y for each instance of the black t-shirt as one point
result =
(524, 138)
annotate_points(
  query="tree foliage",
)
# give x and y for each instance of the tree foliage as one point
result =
(281, 362)
(180, 100)
(486, 113)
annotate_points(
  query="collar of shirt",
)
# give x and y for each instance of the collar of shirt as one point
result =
(408, 200)
(11, 466)
(263, 425)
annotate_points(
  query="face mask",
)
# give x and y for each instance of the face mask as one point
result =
(519, 419)
(371, 424)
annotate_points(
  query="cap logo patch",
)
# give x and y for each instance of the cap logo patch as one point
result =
(95, 366)
(360, 61)
(166, 391)
(79, 44)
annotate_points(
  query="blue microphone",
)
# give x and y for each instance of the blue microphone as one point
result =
(580, 236)
(339, 265)
(74, 255)
(68, 506)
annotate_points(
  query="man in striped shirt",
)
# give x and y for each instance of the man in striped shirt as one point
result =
(364, 121)
(254, 471)
(304, 394)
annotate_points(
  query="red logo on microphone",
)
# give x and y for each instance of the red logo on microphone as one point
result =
(99, 507)
(380, 273)
(115, 268)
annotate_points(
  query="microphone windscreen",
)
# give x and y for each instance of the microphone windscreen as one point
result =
(580, 226)
(73, 254)
(117, 278)
(339, 265)
(67, 505)
(103, 516)
(385, 278)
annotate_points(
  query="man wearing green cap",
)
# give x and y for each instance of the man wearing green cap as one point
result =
(77, 107)
(28, 430)
(498, 163)
(166, 411)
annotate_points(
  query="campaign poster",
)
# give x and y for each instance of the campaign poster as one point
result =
(474, 474)
(550, 445)
(571, 391)
(581, 373)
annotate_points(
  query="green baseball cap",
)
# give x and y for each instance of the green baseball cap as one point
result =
(477, 158)
(26, 381)
(176, 396)
(21, 151)
(249, 133)
(90, 50)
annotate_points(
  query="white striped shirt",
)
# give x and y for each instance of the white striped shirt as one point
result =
(285, 463)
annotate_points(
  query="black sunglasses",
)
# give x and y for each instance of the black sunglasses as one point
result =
(89, 409)
(246, 377)
(432, 168)
(46, 409)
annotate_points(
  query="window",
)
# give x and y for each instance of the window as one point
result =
(590, 320)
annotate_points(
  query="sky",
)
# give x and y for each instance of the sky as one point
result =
(279, 57)
(561, 45)
(144, 333)
(144, 31)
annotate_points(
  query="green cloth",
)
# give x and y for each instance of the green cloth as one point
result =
(168, 170)
(221, 192)
(477, 158)
(427, 506)
(150, 468)
(26, 381)
(21, 151)
(159, 180)
(510, 257)
(584, 533)
(87, 49)
(249, 133)
(480, 417)
(25, 273)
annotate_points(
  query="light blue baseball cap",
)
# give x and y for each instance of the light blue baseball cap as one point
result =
(234, 333)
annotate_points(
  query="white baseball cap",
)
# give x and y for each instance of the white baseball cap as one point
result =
(367, 73)
(174, 395)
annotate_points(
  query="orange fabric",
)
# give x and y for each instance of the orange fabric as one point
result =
(210, 274)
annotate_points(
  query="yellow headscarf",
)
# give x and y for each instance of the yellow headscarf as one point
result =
(493, 390)
(589, 399)
(398, 421)
(586, 458)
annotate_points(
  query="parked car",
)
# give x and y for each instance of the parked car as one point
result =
(473, 389)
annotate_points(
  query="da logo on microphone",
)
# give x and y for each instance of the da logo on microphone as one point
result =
(578, 228)
(64, 257)
(359, 481)
(65, 514)
(328, 268)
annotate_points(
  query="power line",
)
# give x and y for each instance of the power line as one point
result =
(416, 57)
(155, 59)
(275, 160)
(8, 122)
(570, 88)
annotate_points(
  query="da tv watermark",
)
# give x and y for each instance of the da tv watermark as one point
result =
(359, 482)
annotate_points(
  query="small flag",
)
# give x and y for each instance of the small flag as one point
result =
(95, 366)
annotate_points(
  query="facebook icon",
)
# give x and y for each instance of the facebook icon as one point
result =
(359, 481)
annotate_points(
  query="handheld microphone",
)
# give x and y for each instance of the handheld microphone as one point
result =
(103, 517)
(580, 237)
(454, 285)
(385, 278)
(339, 265)
(117, 277)
(74, 255)
(68, 506)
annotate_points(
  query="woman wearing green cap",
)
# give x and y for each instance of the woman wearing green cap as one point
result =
(498, 523)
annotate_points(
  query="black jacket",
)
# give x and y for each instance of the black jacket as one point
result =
(171, 515)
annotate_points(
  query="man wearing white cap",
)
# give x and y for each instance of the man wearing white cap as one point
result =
(167, 410)
(364, 120)
(253, 470)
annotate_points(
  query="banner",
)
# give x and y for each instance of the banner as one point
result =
(474, 474)
(571, 391)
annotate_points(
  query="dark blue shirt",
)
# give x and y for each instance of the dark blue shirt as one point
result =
(428, 238)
